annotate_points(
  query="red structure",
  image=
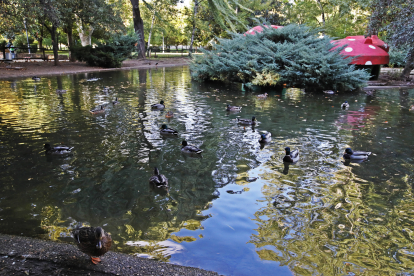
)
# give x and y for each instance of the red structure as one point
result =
(259, 29)
(375, 41)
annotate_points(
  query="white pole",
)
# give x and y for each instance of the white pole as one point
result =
(163, 43)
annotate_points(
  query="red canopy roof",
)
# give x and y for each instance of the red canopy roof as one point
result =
(375, 41)
(367, 52)
(259, 29)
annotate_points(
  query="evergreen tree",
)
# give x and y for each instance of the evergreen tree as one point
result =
(293, 55)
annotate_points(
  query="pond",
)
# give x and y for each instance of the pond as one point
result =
(238, 210)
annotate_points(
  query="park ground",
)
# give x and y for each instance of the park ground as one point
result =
(40, 69)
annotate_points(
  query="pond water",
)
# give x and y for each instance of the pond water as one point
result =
(238, 210)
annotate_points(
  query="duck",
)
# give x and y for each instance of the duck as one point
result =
(247, 121)
(115, 102)
(169, 114)
(58, 150)
(291, 157)
(370, 92)
(60, 91)
(186, 148)
(233, 108)
(265, 137)
(35, 78)
(357, 155)
(93, 241)
(168, 131)
(105, 89)
(98, 110)
(262, 96)
(412, 108)
(328, 92)
(345, 105)
(158, 180)
(92, 79)
(158, 106)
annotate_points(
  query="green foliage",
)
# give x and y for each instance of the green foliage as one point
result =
(109, 55)
(397, 57)
(293, 55)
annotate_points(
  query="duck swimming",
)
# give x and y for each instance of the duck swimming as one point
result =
(158, 106)
(58, 150)
(98, 110)
(265, 137)
(186, 148)
(169, 114)
(357, 155)
(262, 96)
(328, 92)
(92, 241)
(158, 180)
(35, 78)
(291, 157)
(247, 121)
(166, 130)
(115, 102)
(233, 108)
(345, 105)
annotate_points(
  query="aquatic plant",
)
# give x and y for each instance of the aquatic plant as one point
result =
(294, 55)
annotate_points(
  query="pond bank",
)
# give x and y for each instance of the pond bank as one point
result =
(28, 256)
(30, 69)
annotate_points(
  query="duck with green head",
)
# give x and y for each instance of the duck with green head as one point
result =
(186, 148)
(168, 131)
(291, 157)
(265, 137)
(158, 106)
(158, 180)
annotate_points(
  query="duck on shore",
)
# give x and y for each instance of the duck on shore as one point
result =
(92, 241)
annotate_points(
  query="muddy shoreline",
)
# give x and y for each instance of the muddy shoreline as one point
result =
(27, 256)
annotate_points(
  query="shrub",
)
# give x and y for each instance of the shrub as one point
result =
(397, 57)
(293, 55)
(107, 55)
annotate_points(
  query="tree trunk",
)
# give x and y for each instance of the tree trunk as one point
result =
(150, 33)
(139, 28)
(55, 45)
(409, 66)
(323, 15)
(69, 31)
(194, 27)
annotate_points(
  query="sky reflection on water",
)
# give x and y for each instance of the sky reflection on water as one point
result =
(237, 210)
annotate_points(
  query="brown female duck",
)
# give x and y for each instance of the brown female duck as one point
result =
(92, 241)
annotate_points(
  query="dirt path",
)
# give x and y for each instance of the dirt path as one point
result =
(26, 256)
(30, 69)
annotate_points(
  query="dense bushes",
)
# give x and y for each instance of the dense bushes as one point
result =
(397, 57)
(293, 55)
(107, 55)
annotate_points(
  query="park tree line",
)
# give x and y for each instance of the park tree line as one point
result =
(202, 22)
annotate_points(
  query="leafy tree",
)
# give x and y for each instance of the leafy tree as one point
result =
(293, 55)
(396, 19)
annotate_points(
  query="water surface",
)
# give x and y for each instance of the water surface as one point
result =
(237, 210)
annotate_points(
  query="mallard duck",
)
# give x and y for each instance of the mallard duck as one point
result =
(291, 157)
(233, 108)
(169, 114)
(328, 92)
(98, 110)
(58, 150)
(158, 106)
(115, 102)
(105, 89)
(92, 79)
(349, 154)
(158, 180)
(262, 96)
(265, 137)
(92, 241)
(168, 131)
(345, 105)
(412, 108)
(186, 148)
(35, 78)
(247, 121)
